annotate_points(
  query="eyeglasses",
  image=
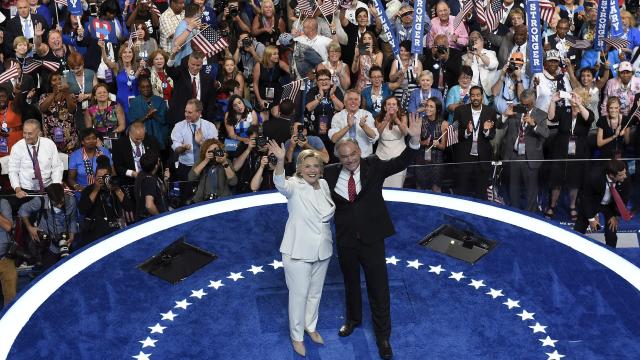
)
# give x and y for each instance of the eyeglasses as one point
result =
(324, 79)
(377, 77)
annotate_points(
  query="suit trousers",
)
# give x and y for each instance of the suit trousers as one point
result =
(521, 174)
(8, 279)
(372, 259)
(473, 179)
(304, 281)
(610, 237)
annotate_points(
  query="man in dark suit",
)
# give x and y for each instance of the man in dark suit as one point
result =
(444, 62)
(190, 82)
(23, 24)
(526, 131)
(127, 151)
(515, 42)
(362, 223)
(598, 196)
(561, 40)
(476, 124)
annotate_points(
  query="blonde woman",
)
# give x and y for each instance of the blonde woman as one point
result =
(267, 26)
(340, 76)
(307, 242)
(230, 72)
(266, 79)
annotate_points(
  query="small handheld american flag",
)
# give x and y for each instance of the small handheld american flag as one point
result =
(452, 134)
(12, 72)
(290, 90)
(617, 43)
(210, 41)
(305, 8)
(327, 8)
(490, 15)
(547, 8)
(466, 9)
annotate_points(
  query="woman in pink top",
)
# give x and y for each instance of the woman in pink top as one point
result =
(443, 24)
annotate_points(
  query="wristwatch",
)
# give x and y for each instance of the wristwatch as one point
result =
(226, 165)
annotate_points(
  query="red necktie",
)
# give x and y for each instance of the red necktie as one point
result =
(624, 212)
(36, 168)
(351, 188)
(194, 87)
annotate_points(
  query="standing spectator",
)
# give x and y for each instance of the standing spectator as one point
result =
(278, 127)
(141, 13)
(373, 95)
(187, 137)
(588, 82)
(570, 143)
(144, 44)
(443, 24)
(340, 75)
(208, 14)
(460, 94)
(128, 70)
(477, 127)
(523, 140)
(23, 24)
(509, 44)
(598, 196)
(106, 116)
(54, 50)
(169, 21)
(428, 173)
(239, 119)
(322, 103)
(482, 61)
(444, 62)
(81, 83)
(613, 133)
(354, 32)
(624, 87)
(247, 54)
(367, 55)
(73, 33)
(230, 72)
(312, 39)
(34, 162)
(58, 108)
(392, 126)
(551, 79)
(8, 273)
(419, 97)
(510, 83)
(266, 28)
(127, 151)
(150, 110)
(355, 123)
(212, 172)
(150, 191)
(161, 83)
(266, 79)
(83, 162)
(185, 31)
(11, 122)
(631, 33)
(562, 41)
(405, 71)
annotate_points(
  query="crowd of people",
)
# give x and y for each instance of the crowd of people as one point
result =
(120, 113)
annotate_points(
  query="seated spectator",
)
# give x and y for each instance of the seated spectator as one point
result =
(58, 108)
(103, 206)
(419, 97)
(212, 172)
(83, 162)
(56, 225)
(266, 79)
(392, 125)
(8, 273)
(230, 72)
(238, 119)
(151, 111)
(367, 55)
(150, 191)
(34, 162)
(106, 116)
(354, 123)
(373, 95)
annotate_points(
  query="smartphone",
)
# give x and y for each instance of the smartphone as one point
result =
(363, 48)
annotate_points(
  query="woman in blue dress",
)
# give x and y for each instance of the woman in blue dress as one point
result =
(128, 69)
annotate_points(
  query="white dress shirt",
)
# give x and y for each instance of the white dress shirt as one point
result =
(339, 121)
(342, 184)
(182, 134)
(319, 43)
(21, 173)
(27, 27)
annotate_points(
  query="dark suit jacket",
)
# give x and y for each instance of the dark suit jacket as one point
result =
(573, 54)
(122, 155)
(463, 115)
(451, 67)
(367, 216)
(182, 93)
(533, 139)
(13, 29)
(593, 190)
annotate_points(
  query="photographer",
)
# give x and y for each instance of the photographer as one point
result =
(300, 141)
(212, 172)
(510, 83)
(235, 21)
(444, 63)
(247, 54)
(142, 13)
(8, 274)
(103, 205)
(150, 191)
(483, 62)
(53, 231)
(246, 159)
(263, 177)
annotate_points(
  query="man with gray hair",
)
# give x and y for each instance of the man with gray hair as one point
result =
(34, 162)
(526, 130)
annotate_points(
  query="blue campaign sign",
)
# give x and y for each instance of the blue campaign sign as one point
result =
(535, 37)
(75, 7)
(601, 24)
(386, 27)
(417, 38)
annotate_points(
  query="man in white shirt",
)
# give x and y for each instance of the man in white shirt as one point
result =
(353, 122)
(34, 162)
(186, 138)
(311, 38)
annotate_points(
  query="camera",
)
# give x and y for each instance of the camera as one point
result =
(17, 253)
(211, 196)
(246, 42)
(511, 68)
(261, 141)
(301, 136)
(471, 47)
(441, 49)
(520, 109)
(219, 5)
(63, 245)
(109, 182)
(273, 160)
(218, 152)
(363, 48)
(233, 11)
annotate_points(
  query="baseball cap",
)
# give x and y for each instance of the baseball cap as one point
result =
(625, 66)
(552, 55)
(517, 58)
(285, 39)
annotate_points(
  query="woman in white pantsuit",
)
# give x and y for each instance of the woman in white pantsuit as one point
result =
(307, 242)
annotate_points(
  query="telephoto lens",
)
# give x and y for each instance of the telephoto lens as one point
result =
(63, 245)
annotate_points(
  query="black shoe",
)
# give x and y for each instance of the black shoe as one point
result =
(347, 329)
(384, 350)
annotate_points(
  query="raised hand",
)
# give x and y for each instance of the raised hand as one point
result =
(415, 127)
(276, 150)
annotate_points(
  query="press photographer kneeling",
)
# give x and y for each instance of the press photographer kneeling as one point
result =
(55, 225)
(212, 171)
(103, 204)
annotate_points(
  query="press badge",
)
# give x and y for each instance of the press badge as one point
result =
(269, 93)
(58, 135)
(427, 155)
(571, 150)
(521, 149)
(4, 144)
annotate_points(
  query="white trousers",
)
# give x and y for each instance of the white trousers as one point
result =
(305, 281)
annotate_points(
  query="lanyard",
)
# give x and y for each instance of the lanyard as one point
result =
(33, 161)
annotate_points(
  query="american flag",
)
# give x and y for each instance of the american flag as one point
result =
(327, 8)
(547, 9)
(452, 134)
(617, 43)
(290, 90)
(304, 6)
(61, 2)
(579, 44)
(490, 15)
(31, 65)
(466, 9)
(12, 72)
(210, 41)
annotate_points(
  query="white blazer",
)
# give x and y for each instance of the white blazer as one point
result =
(307, 235)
